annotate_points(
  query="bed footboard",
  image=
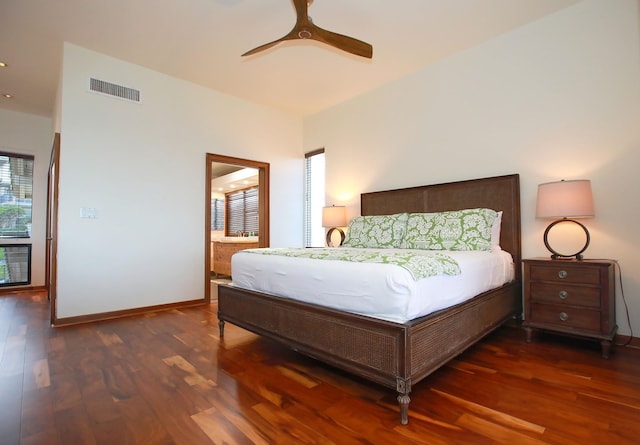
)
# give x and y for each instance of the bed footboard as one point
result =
(364, 346)
(391, 354)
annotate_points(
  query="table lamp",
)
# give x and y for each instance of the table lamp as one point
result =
(334, 217)
(565, 200)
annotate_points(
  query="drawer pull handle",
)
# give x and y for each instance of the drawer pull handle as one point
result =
(564, 316)
(562, 274)
(563, 294)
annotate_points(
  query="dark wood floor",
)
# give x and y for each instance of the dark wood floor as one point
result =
(166, 378)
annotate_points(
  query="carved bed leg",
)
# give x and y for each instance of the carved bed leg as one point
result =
(404, 388)
(403, 400)
(221, 327)
(606, 348)
(529, 334)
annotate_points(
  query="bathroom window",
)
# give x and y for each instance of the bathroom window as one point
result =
(242, 212)
(217, 214)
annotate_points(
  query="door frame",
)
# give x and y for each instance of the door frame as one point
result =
(263, 208)
(51, 247)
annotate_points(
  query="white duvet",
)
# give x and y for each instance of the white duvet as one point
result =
(383, 291)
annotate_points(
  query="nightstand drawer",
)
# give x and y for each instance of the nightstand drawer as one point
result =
(562, 316)
(569, 274)
(565, 294)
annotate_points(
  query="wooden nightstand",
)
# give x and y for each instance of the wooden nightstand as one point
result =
(571, 296)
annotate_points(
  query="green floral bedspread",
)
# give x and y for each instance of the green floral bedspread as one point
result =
(421, 264)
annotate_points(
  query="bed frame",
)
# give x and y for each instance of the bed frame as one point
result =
(396, 355)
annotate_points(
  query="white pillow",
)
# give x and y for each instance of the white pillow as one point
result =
(495, 232)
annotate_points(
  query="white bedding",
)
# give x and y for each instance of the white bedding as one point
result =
(383, 291)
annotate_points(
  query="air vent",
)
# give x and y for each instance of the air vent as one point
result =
(111, 89)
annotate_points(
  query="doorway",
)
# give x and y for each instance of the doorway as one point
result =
(218, 165)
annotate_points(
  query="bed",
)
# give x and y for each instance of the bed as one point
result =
(392, 353)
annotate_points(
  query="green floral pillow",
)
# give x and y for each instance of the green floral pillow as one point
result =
(468, 229)
(380, 231)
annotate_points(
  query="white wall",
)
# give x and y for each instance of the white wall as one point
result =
(142, 166)
(559, 98)
(29, 134)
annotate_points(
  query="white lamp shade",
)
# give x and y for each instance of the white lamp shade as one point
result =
(565, 199)
(334, 216)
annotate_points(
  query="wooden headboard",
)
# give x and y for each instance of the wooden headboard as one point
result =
(500, 193)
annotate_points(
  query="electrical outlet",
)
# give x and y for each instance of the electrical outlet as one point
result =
(88, 212)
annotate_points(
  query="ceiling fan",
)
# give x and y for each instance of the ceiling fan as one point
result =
(306, 29)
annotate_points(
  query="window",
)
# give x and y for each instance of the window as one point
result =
(242, 212)
(217, 214)
(313, 198)
(15, 264)
(16, 191)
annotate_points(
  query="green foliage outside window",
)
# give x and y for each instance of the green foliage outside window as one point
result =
(12, 219)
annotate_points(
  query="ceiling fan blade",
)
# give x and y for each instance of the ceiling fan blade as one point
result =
(342, 42)
(266, 46)
(302, 12)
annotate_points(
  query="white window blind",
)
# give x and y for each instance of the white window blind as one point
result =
(242, 212)
(313, 198)
(16, 193)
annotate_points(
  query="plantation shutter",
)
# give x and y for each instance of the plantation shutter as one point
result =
(242, 212)
(217, 214)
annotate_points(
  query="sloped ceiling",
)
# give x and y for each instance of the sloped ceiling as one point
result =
(201, 41)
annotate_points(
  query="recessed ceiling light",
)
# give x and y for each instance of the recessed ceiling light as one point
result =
(7, 96)
(3, 64)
